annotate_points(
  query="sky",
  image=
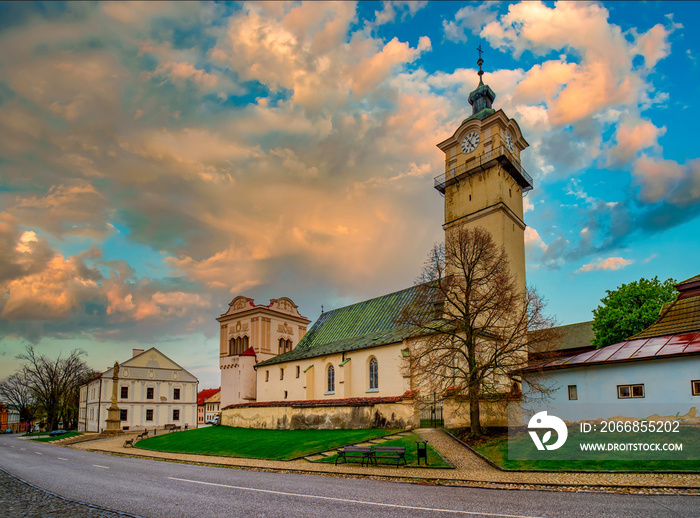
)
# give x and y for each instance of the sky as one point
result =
(159, 159)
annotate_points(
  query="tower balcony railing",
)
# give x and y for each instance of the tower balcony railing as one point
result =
(498, 155)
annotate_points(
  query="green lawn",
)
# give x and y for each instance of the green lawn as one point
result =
(255, 443)
(496, 449)
(409, 442)
(57, 437)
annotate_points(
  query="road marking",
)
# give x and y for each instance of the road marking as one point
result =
(61, 458)
(23, 449)
(103, 467)
(378, 504)
(38, 453)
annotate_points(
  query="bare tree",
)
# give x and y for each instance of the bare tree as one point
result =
(54, 382)
(15, 390)
(474, 325)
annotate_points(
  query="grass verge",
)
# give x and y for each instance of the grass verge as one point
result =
(57, 437)
(494, 445)
(255, 443)
(434, 460)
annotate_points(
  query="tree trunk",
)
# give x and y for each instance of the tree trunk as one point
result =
(474, 417)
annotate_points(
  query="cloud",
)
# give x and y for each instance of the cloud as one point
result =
(633, 137)
(471, 19)
(611, 263)
(390, 9)
(668, 181)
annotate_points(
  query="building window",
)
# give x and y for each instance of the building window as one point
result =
(373, 374)
(125, 392)
(122, 415)
(149, 393)
(267, 376)
(630, 391)
(695, 386)
(298, 371)
(285, 394)
(331, 380)
(281, 374)
(176, 393)
(149, 415)
(573, 392)
(176, 415)
(231, 346)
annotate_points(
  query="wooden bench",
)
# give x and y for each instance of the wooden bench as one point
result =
(354, 452)
(397, 453)
(129, 442)
(173, 427)
(143, 435)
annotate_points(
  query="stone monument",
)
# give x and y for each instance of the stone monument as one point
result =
(113, 419)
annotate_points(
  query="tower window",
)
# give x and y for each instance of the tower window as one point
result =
(298, 371)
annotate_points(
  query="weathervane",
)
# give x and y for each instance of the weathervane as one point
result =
(480, 62)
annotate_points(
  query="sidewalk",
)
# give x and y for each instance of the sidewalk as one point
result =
(470, 470)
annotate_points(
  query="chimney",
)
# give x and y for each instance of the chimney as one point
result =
(137, 352)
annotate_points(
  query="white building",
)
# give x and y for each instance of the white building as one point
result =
(152, 391)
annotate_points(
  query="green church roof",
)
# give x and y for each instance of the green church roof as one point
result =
(359, 326)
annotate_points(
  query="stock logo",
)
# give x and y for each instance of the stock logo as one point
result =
(541, 421)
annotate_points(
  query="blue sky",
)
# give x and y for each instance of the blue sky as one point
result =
(158, 159)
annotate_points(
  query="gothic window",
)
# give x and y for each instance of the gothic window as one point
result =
(331, 379)
(245, 344)
(289, 345)
(280, 350)
(373, 374)
(239, 345)
(232, 346)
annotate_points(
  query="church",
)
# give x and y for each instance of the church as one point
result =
(349, 369)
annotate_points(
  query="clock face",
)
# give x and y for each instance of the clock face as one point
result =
(509, 142)
(470, 142)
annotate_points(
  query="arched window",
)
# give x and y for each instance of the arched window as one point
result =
(288, 345)
(373, 374)
(245, 344)
(238, 345)
(280, 349)
(331, 379)
(232, 346)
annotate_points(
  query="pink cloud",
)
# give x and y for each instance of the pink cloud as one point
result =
(611, 263)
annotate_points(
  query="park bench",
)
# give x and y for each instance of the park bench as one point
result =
(143, 435)
(173, 427)
(354, 452)
(129, 442)
(397, 453)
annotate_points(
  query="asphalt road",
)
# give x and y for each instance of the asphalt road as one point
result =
(164, 489)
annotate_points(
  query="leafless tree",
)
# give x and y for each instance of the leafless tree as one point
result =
(474, 325)
(15, 391)
(54, 383)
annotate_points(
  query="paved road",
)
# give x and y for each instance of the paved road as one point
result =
(163, 489)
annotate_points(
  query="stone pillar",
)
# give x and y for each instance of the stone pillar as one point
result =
(113, 419)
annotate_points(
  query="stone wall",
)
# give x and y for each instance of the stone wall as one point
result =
(492, 413)
(302, 415)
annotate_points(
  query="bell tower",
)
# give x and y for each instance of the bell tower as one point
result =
(484, 181)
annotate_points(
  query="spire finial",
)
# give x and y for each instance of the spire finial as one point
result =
(480, 62)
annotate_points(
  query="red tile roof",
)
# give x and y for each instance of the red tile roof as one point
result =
(206, 394)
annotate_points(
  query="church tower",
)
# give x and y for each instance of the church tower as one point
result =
(484, 181)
